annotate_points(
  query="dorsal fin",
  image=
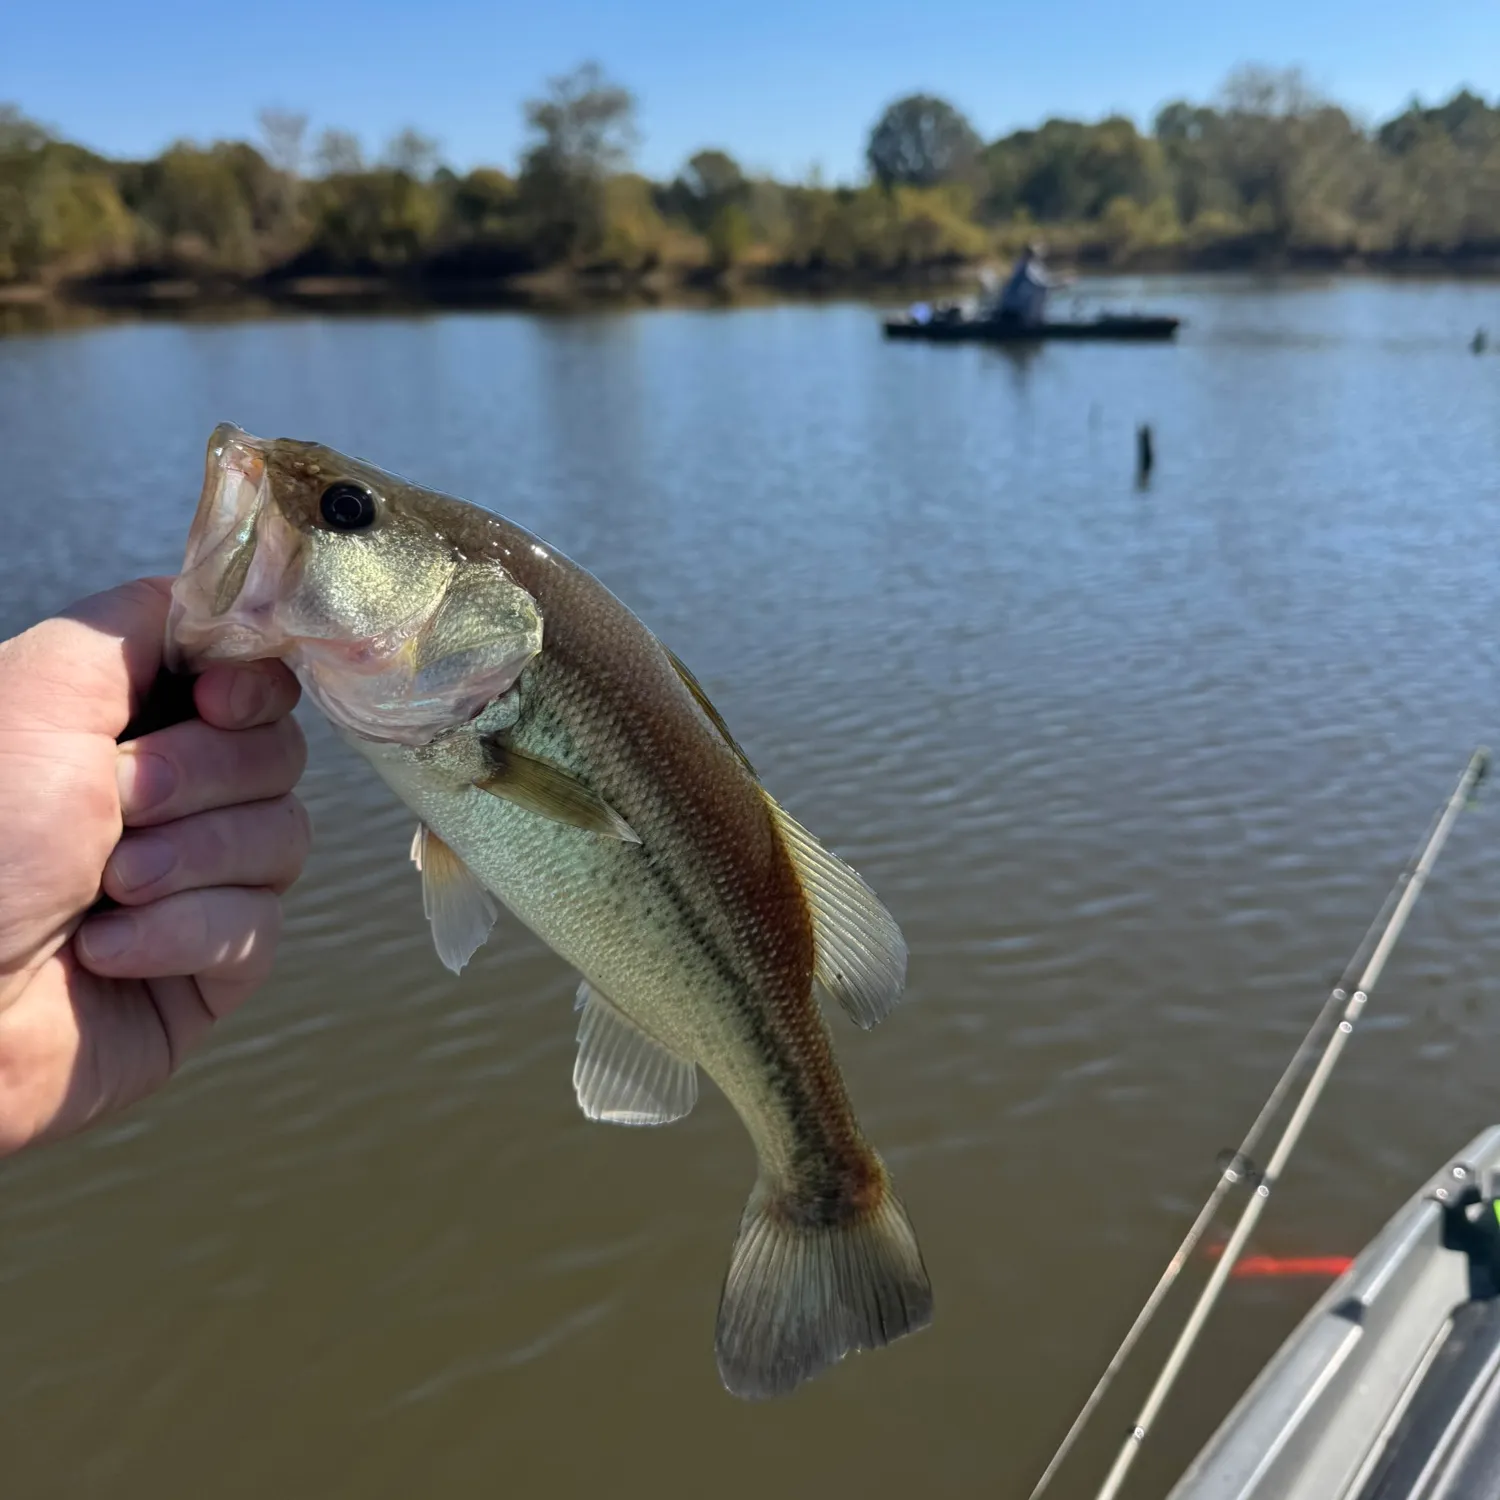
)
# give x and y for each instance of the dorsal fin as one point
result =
(859, 955)
(712, 714)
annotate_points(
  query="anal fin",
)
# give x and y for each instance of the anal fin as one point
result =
(624, 1076)
(460, 910)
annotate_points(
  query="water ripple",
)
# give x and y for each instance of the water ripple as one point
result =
(1133, 768)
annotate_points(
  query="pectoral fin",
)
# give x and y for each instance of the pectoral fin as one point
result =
(859, 955)
(547, 789)
(624, 1076)
(460, 910)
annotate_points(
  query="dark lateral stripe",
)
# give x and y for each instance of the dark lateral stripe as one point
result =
(817, 1110)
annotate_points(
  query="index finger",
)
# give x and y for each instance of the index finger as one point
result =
(242, 694)
(88, 668)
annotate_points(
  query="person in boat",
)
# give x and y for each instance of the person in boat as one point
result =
(1023, 299)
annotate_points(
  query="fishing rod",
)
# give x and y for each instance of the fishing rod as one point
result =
(1360, 972)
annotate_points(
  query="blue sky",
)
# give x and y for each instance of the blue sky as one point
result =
(782, 84)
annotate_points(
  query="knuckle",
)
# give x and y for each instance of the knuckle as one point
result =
(251, 949)
(87, 852)
(270, 757)
(218, 920)
(98, 802)
(247, 762)
(172, 767)
(287, 837)
(208, 845)
(198, 928)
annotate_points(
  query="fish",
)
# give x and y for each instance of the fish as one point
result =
(565, 765)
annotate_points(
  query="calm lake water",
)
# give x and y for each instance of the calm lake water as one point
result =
(1133, 767)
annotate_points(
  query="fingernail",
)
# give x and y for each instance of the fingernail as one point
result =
(249, 695)
(107, 937)
(146, 780)
(141, 861)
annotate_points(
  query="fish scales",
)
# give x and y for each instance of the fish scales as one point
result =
(563, 762)
(723, 905)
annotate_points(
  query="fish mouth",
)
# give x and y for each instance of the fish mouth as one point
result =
(238, 549)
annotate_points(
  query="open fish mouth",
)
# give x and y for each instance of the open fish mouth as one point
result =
(390, 637)
(238, 551)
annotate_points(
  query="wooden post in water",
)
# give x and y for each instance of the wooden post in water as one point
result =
(1145, 455)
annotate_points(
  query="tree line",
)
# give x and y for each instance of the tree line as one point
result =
(1268, 171)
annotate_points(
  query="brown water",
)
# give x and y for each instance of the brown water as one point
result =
(1133, 768)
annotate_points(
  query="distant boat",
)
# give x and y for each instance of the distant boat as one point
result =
(942, 327)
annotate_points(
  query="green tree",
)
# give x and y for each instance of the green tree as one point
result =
(1265, 112)
(212, 208)
(729, 236)
(283, 134)
(368, 221)
(1443, 175)
(1266, 168)
(59, 209)
(919, 141)
(482, 203)
(338, 152)
(19, 135)
(1190, 137)
(632, 235)
(1070, 172)
(766, 211)
(583, 132)
(713, 177)
(709, 183)
(1466, 120)
(412, 153)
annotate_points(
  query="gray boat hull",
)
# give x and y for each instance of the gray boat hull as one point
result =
(1389, 1389)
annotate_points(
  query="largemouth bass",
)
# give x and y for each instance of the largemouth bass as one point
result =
(562, 762)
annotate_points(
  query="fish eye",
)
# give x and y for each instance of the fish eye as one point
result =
(347, 507)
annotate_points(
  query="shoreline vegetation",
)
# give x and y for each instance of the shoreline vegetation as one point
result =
(1267, 176)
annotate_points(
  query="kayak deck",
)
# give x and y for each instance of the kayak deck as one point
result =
(981, 330)
(1390, 1387)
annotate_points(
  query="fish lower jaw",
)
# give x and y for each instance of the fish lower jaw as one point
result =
(188, 645)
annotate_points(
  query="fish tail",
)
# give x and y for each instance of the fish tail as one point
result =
(811, 1281)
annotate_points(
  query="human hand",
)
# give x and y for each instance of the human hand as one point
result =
(191, 830)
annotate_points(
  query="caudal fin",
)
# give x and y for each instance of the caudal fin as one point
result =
(803, 1292)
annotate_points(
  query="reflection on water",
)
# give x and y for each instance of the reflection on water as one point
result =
(1132, 767)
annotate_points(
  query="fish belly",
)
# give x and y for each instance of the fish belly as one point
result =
(612, 910)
